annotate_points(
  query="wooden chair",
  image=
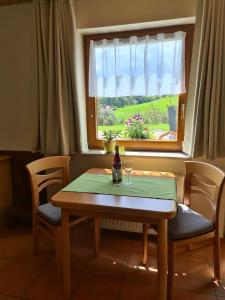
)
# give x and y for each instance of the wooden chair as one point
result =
(190, 230)
(46, 217)
(171, 134)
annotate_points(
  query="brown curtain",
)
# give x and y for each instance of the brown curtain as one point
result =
(56, 48)
(205, 124)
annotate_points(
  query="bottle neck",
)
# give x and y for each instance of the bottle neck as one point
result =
(117, 156)
(117, 149)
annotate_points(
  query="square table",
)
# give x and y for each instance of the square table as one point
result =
(136, 209)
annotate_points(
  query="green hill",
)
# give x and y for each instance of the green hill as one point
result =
(129, 111)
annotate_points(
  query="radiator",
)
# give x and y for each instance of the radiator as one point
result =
(134, 226)
(121, 225)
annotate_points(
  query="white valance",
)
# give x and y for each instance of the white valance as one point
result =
(138, 66)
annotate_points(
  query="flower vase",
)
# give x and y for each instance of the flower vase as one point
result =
(109, 147)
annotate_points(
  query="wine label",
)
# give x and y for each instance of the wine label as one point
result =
(117, 173)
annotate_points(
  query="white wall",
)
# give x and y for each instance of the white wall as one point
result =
(98, 13)
(18, 102)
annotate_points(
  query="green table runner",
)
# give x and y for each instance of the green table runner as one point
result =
(149, 187)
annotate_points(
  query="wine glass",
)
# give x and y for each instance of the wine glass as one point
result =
(128, 167)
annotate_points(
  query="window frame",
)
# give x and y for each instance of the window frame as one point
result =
(91, 103)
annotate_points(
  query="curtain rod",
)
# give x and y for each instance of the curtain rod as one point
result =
(8, 2)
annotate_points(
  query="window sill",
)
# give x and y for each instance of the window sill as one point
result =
(176, 155)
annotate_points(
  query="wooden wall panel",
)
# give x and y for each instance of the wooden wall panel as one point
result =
(20, 178)
(8, 2)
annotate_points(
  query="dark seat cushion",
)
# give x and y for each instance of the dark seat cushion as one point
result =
(52, 214)
(187, 223)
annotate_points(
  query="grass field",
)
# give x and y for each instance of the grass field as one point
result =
(129, 111)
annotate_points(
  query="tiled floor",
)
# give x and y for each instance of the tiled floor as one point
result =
(115, 275)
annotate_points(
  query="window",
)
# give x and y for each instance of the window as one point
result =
(136, 85)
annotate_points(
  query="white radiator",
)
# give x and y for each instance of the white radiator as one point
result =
(121, 225)
(134, 226)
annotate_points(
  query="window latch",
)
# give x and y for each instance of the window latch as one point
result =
(182, 111)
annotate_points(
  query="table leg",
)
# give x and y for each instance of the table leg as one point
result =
(97, 235)
(162, 259)
(66, 253)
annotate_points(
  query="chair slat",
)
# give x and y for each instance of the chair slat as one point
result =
(56, 174)
(207, 187)
(48, 183)
(207, 197)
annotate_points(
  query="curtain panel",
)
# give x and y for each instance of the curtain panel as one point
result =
(205, 126)
(56, 47)
(138, 66)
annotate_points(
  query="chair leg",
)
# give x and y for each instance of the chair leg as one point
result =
(58, 250)
(216, 254)
(97, 235)
(171, 256)
(35, 237)
(145, 244)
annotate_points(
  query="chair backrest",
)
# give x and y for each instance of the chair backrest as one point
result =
(205, 181)
(45, 172)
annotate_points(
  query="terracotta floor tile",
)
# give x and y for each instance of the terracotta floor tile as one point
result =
(82, 232)
(46, 252)
(136, 290)
(125, 238)
(137, 242)
(116, 274)
(222, 273)
(137, 272)
(4, 262)
(193, 273)
(83, 246)
(106, 265)
(92, 287)
(5, 297)
(81, 253)
(190, 261)
(187, 295)
(47, 286)
(17, 277)
(200, 280)
(209, 254)
(220, 288)
(79, 262)
(11, 242)
(115, 246)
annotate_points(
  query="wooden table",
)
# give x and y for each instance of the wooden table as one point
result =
(143, 210)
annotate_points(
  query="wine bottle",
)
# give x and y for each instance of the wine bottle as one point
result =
(116, 166)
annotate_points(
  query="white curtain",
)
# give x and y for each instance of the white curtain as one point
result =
(138, 66)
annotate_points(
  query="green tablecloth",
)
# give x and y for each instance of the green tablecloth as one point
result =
(142, 186)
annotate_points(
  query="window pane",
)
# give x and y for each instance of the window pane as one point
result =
(138, 117)
(147, 66)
